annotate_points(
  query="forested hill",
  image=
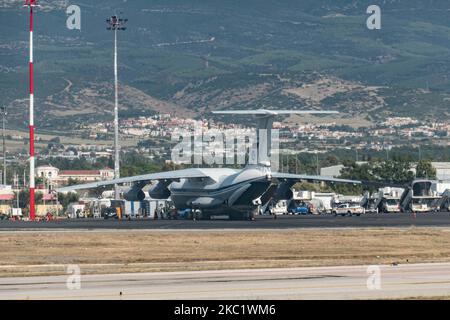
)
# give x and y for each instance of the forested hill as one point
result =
(189, 57)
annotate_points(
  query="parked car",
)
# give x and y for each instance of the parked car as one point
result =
(183, 213)
(109, 213)
(348, 209)
(301, 208)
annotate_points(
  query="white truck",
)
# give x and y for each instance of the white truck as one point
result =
(390, 205)
(279, 208)
(425, 205)
(75, 211)
(16, 213)
(350, 209)
(389, 199)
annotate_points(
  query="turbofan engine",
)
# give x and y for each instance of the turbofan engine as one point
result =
(134, 194)
(160, 190)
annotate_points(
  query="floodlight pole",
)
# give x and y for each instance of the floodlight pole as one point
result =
(4, 144)
(114, 23)
(31, 4)
(116, 121)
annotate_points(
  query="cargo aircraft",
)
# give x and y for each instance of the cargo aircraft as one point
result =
(220, 191)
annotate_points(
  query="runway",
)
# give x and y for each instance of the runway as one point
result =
(262, 222)
(403, 281)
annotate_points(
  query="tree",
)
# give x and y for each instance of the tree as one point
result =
(355, 171)
(425, 169)
(39, 180)
(395, 171)
(66, 199)
(72, 182)
(24, 198)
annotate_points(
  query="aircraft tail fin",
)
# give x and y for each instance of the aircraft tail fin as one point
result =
(265, 119)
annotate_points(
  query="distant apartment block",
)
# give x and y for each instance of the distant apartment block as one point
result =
(58, 177)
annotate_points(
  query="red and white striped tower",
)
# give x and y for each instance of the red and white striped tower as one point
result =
(31, 4)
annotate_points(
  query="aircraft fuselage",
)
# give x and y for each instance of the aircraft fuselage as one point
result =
(226, 191)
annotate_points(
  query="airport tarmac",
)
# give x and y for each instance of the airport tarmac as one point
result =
(441, 219)
(347, 282)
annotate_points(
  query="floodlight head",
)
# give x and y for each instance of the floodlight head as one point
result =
(116, 23)
(30, 3)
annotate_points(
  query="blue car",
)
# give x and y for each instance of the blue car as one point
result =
(300, 209)
(184, 213)
(188, 214)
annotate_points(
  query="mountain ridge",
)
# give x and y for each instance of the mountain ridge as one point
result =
(191, 57)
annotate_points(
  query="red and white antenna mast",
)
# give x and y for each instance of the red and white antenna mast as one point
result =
(31, 4)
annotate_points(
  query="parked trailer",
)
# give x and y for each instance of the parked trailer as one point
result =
(97, 206)
(389, 200)
(370, 202)
(76, 210)
(325, 201)
(322, 202)
(151, 206)
(422, 196)
(134, 209)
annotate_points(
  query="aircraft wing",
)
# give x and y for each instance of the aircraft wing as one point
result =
(146, 178)
(300, 177)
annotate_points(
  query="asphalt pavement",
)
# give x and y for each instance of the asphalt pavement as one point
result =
(343, 282)
(441, 219)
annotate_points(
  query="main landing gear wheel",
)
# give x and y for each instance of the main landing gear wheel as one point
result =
(196, 214)
(252, 215)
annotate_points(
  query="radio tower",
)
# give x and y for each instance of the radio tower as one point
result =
(115, 23)
(31, 4)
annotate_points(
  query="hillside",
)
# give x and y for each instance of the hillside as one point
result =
(189, 57)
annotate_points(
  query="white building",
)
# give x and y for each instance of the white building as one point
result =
(442, 170)
(47, 172)
(58, 177)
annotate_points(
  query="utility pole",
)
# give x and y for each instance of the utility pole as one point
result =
(31, 4)
(115, 23)
(317, 162)
(16, 184)
(4, 113)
